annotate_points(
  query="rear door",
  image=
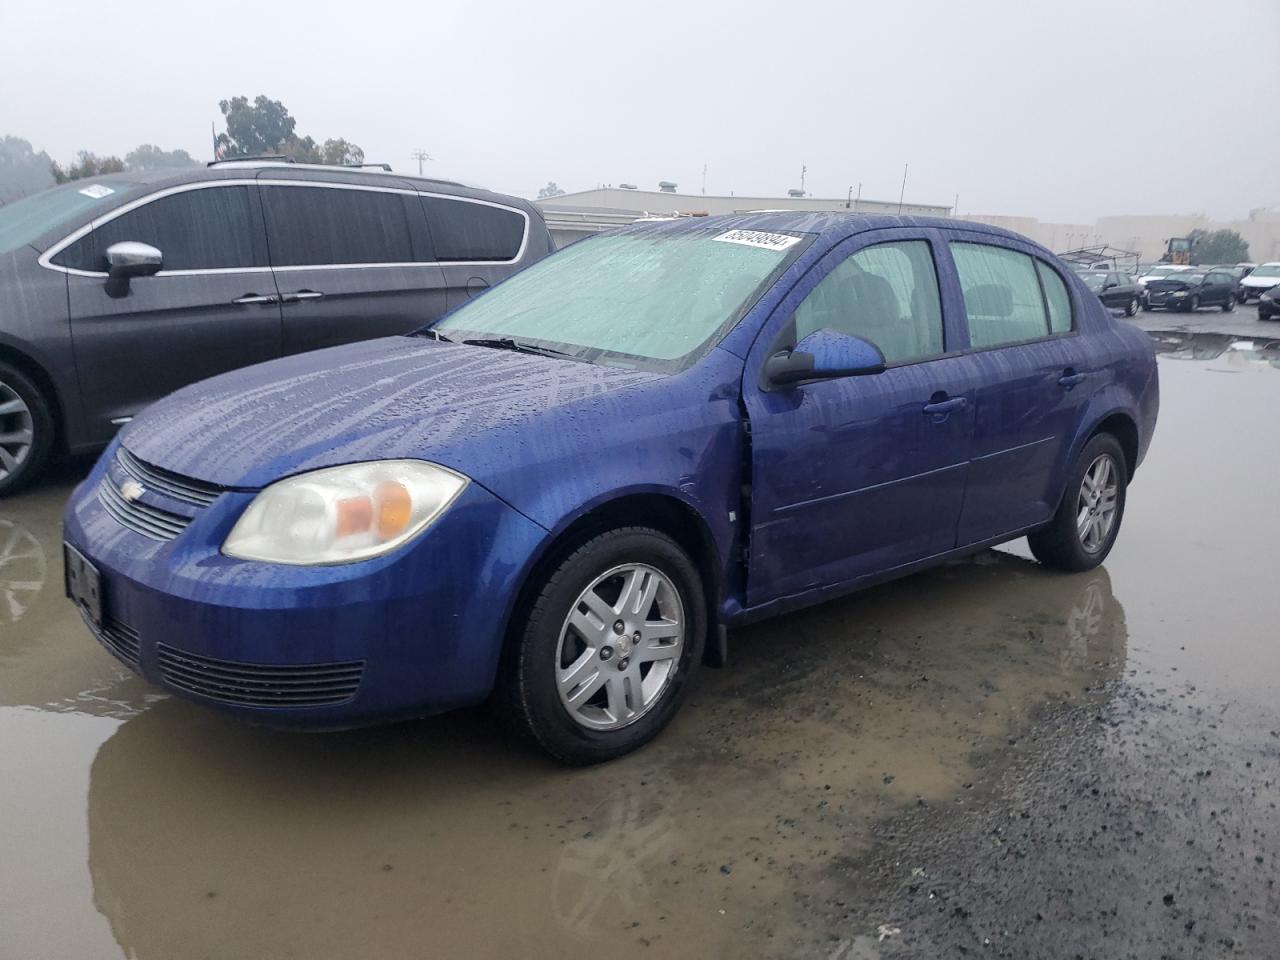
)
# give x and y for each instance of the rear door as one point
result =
(1036, 381)
(212, 308)
(351, 261)
(1218, 286)
(477, 242)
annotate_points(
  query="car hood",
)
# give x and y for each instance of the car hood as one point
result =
(1262, 283)
(394, 398)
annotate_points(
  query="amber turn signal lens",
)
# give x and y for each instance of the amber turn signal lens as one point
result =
(394, 509)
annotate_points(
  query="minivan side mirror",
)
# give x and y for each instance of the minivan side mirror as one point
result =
(128, 258)
(824, 355)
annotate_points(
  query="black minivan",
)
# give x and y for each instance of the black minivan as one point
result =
(118, 290)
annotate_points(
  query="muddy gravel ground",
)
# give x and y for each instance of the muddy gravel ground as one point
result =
(988, 759)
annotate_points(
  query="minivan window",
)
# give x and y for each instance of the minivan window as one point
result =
(210, 228)
(321, 226)
(1002, 298)
(888, 294)
(648, 299)
(26, 220)
(462, 230)
(1057, 299)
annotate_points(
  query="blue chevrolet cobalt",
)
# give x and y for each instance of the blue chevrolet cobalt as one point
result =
(562, 495)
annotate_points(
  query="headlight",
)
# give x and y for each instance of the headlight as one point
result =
(343, 514)
(1266, 296)
(1178, 293)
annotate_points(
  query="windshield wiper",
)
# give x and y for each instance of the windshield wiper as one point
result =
(434, 335)
(506, 343)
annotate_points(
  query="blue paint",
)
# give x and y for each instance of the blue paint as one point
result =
(831, 484)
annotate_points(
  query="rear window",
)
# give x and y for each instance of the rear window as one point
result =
(211, 228)
(464, 230)
(324, 226)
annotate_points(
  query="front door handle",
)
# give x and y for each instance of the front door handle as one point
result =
(1070, 378)
(945, 406)
(301, 295)
(254, 298)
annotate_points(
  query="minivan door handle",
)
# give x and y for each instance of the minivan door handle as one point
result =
(1070, 378)
(945, 406)
(301, 295)
(254, 298)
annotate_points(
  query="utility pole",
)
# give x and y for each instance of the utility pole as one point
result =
(704, 179)
(955, 207)
(848, 200)
(803, 171)
(903, 192)
(420, 155)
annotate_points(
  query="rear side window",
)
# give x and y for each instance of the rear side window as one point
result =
(462, 230)
(211, 228)
(1002, 298)
(1057, 299)
(888, 294)
(323, 226)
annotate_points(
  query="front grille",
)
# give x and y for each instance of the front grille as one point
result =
(120, 638)
(139, 517)
(195, 492)
(260, 685)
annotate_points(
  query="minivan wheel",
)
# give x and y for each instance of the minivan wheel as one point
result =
(26, 430)
(1131, 308)
(1085, 526)
(604, 658)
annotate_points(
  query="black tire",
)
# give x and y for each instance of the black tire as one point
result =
(527, 694)
(1193, 304)
(36, 418)
(1059, 543)
(1229, 304)
(1131, 308)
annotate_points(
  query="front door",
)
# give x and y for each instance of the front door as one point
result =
(857, 476)
(213, 307)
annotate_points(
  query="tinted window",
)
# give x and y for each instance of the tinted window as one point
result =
(1002, 298)
(317, 226)
(887, 294)
(1055, 295)
(210, 228)
(463, 231)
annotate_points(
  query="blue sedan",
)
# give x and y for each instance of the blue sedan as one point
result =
(563, 494)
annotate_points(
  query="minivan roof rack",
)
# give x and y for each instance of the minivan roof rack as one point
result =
(254, 158)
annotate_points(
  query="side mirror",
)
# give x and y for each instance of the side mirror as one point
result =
(128, 258)
(824, 355)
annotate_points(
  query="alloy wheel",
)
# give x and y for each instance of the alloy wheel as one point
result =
(1096, 503)
(17, 430)
(620, 646)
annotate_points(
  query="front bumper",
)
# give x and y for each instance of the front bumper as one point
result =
(411, 633)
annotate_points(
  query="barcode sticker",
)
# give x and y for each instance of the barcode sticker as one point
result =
(758, 238)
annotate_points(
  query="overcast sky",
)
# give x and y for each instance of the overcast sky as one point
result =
(1062, 111)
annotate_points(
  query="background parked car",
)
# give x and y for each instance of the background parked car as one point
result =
(1114, 289)
(1261, 279)
(1190, 290)
(117, 291)
(1269, 304)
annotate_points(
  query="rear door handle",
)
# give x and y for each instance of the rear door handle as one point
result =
(254, 298)
(1070, 378)
(945, 406)
(301, 295)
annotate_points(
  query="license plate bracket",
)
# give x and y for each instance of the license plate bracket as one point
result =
(84, 584)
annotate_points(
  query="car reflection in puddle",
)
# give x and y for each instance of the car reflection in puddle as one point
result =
(1225, 352)
(442, 838)
(23, 570)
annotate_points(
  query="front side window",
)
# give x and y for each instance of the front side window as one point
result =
(310, 226)
(887, 294)
(463, 231)
(1002, 296)
(649, 298)
(210, 228)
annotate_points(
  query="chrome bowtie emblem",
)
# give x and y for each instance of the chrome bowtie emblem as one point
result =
(132, 490)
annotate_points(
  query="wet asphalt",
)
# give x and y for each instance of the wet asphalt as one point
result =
(987, 759)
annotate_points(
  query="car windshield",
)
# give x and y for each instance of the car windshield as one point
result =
(1165, 271)
(651, 299)
(1095, 281)
(23, 221)
(1267, 270)
(1192, 278)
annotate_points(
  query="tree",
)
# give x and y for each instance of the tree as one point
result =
(1218, 246)
(87, 165)
(550, 190)
(150, 157)
(265, 126)
(22, 169)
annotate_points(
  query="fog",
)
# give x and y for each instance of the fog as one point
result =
(1059, 111)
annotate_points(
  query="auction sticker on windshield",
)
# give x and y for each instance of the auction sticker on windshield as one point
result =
(97, 191)
(758, 238)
